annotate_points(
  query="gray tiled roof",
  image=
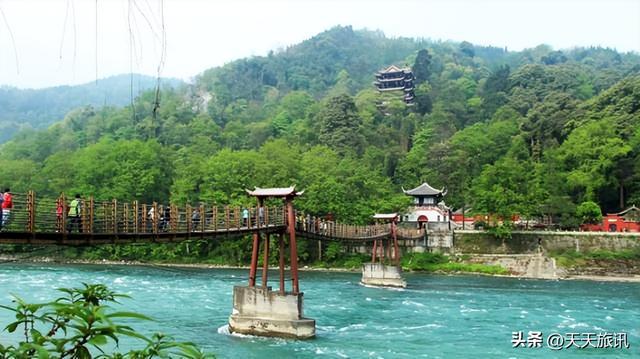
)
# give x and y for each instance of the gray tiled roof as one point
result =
(274, 192)
(424, 190)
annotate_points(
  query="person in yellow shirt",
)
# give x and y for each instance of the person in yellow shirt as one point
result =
(74, 215)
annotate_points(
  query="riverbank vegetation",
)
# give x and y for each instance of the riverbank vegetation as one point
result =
(571, 259)
(436, 262)
(236, 252)
(82, 324)
(536, 132)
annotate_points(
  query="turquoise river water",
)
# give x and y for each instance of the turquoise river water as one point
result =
(435, 317)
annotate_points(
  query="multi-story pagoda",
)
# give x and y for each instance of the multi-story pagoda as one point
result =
(428, 205)
(394, 78)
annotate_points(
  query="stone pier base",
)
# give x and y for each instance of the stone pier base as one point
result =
(261, 311)
(382, 275)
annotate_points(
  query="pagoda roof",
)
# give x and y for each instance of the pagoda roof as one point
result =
(632, 208)
(385, 216)
(424, 190)
(274, 192)
(394, 68)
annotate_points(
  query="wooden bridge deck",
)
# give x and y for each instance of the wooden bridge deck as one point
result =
(88, 239)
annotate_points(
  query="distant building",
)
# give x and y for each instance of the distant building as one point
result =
(625, 221)
(465, 218)
(428, 206)
(394, 78)
(470, 219)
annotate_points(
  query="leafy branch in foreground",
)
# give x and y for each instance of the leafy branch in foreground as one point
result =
(79, 325)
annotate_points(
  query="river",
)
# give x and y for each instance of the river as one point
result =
(435, 317)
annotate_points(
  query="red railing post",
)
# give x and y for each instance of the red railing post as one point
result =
(265, 261)
(292, 243)
(281, 244)
(254, 259)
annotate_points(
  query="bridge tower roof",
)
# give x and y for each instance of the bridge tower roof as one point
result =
(276, 192)
(385, 216)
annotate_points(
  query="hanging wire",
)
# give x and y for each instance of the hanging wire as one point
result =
(163, 53)
(75, 36)
(70, 6)
(13, 41)
(146, 19)
(64, 29)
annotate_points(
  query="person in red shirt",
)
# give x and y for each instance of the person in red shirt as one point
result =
(7, 205)
(59, 211)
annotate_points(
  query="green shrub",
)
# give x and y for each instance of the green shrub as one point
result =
(333, 251)
(589, 212)
(353, 261)
(78, 322)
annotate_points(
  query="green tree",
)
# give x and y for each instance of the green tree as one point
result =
(126, 170)
(340, 124)
(467, 49)
(589, 212)
(422, 67)
(495, 90)
(423, 98)
(589, 156)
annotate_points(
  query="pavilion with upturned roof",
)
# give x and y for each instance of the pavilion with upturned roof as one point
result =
(428, 205)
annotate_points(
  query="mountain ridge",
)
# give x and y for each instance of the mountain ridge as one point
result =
(39, 108)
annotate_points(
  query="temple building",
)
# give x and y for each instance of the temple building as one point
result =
(625, 221)
(394, 78)
(428, 205)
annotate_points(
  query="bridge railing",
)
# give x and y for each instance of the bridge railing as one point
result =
(32, 214)
(318, 226)
(50, 215)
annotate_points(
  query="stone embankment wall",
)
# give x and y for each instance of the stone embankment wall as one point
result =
(530, 242)
(526, 252)
(521, 242)
(523, 265)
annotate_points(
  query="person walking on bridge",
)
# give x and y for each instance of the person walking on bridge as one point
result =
(245, 217)
(151, 216)
(195, 219)
(74, 214)
(166, 218)
(1, 202)
(59, 212)
(7, 205)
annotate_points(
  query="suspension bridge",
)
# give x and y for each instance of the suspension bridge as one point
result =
(45, 221)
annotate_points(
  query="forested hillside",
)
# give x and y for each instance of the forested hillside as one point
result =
(22, 109)
(536, 132)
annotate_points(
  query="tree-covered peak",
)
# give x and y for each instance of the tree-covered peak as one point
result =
(534, 132)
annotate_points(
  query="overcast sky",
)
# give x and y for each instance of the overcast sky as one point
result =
(59, 42)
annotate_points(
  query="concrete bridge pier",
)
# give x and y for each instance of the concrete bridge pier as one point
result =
(261, 310)
(380, 274)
